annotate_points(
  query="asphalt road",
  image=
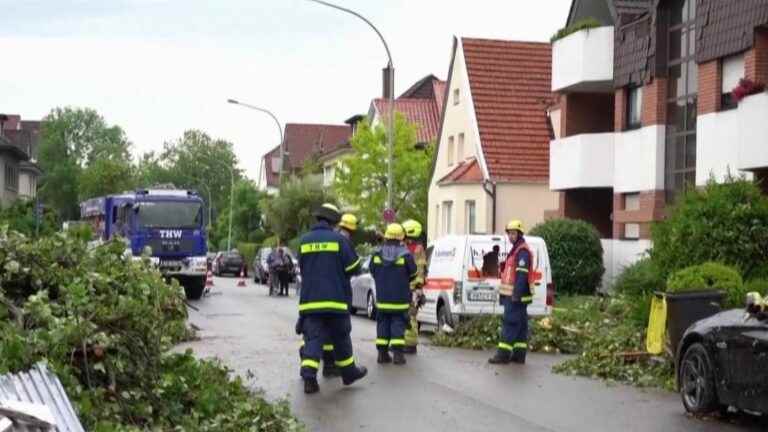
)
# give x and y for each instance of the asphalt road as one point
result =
(439, 389)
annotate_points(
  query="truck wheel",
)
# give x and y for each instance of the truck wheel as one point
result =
(194, 287)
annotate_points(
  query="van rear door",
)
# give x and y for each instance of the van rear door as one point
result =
(542, 266)
(481, 278)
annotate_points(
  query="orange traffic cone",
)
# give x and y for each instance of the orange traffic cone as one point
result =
(241, 282)
(209, 278)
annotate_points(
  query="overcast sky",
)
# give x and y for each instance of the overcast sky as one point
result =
(158, 67)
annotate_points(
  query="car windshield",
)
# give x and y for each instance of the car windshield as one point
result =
(170, 214)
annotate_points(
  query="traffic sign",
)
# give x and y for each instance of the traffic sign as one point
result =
(389, 215)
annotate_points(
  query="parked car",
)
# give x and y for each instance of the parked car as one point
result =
(210, 257)
(364, 291)
(722, 361)
(260, 271)
(231, 262)
(215, 262)
(461, 282)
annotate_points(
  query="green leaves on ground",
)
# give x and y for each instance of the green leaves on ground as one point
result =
(105, 324)
(593, 328)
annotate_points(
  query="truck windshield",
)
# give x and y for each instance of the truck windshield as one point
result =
(169, 214)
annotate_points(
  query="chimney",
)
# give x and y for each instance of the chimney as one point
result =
(388, 75)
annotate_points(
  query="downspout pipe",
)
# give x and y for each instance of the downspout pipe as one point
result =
(492, 193)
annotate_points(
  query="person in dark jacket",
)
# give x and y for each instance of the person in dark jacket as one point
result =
(326, 260)
(513, 345)
(392, 267)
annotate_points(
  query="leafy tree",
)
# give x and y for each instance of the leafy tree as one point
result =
(105, 176)
(72, 140)
(195, 161)
(246, 219)
(289, 214)
(361, 181)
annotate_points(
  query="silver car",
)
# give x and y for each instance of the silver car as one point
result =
(364, 291)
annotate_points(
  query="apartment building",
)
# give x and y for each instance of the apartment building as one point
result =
(649, 104)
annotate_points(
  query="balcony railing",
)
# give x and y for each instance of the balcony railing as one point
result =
(582, 161)
(583, 61)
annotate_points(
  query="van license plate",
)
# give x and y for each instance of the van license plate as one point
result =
(484, 296)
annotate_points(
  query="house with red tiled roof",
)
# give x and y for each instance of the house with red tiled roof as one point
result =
(18, 152)
(492, 158)
(303, 143)
(421, 105)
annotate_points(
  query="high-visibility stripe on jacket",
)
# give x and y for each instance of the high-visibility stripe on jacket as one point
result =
(326, 259)
(392, 268)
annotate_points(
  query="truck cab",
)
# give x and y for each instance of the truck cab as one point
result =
(166, 224)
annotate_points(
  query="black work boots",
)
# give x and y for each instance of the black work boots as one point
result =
(384, 357)
(330, 370)
(399, 358)
(311, 386)
(501, 357)
(358, 374)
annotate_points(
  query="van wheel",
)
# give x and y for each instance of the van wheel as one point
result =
(371, 307)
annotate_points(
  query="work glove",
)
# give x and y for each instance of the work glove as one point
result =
(300, 325)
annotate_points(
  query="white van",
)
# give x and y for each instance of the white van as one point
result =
(459, 285)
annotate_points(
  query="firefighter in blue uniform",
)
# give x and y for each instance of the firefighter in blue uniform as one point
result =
(393, 268)
(326, 260)
(516, 295)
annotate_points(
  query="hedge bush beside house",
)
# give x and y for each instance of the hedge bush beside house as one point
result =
(723, 222)
(638, 282)
(710, 276)
(575, 254)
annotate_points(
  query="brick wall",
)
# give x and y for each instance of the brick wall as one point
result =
(710, 87)
(655, 102)
(620, 109)
(652, 208)
(756, 59)
(586, 113)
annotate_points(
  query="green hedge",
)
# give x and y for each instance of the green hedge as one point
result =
(710, 276)
(583, 24)
(575, 254)
(638, 282)
(723, 222)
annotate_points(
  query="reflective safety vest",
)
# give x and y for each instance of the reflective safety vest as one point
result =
(420, 256)
(518, 279)
(326, 260)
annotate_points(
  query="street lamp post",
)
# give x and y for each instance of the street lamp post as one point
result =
(390, 96)
(279, 128)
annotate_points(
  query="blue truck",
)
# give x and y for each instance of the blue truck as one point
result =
(167, 224)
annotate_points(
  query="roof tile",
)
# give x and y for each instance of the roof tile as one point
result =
(510, 85)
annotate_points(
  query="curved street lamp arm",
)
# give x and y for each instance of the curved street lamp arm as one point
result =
(351, 12)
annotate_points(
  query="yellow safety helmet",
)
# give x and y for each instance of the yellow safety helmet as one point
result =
(412, 228)
(515, 224)
(394, 232)
(348, 222)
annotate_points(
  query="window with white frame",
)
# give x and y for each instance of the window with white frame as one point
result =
(456, 96)
(631, 231)
(632, 201)
(451, 150)
(470, 216)
(460, 149)
(447, 217)
(733, 71)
